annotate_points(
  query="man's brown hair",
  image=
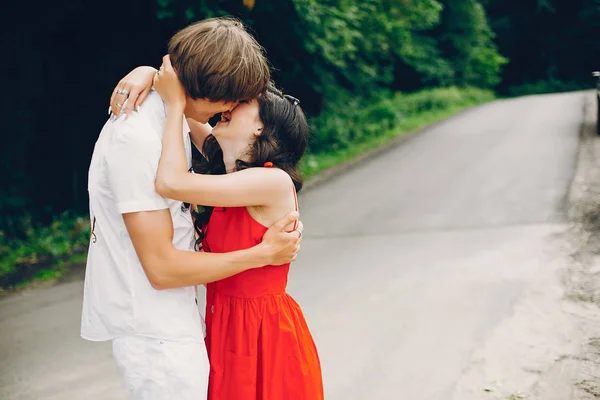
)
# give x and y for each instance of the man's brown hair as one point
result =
(217, 59)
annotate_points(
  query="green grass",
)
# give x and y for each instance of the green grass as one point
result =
(58, 269)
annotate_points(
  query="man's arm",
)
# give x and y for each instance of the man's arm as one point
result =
(166, 267)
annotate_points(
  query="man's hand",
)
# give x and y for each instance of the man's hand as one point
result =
(282, 247)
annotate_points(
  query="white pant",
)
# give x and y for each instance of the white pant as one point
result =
(157, 369)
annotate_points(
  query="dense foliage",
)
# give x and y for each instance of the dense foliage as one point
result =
(345, 60)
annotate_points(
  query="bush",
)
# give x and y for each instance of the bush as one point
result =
(546, 86)
(350, 120)
(441, 99)
(43, 248)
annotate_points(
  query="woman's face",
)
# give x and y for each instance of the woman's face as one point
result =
(241, 124)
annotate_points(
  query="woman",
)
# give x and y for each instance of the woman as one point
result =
(259, 345)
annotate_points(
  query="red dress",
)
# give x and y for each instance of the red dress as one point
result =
(259, 345)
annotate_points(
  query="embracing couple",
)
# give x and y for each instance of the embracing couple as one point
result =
(158, 230)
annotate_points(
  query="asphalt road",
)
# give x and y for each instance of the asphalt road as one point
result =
(409, 261)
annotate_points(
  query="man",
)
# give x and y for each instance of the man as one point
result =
(141, 270)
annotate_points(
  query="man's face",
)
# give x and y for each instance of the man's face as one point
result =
(202, 109)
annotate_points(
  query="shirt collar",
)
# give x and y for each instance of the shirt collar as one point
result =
(186, 127)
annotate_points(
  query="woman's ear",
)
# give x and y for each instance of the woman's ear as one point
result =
(258, 131)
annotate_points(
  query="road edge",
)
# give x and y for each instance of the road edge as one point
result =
(586, 158)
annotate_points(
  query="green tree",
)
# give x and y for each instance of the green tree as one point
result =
(467, 41)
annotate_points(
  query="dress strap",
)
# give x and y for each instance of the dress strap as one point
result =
(269, 164)
(296, 203)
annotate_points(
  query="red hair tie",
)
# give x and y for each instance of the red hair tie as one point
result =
(268, 164)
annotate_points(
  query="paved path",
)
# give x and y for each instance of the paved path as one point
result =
(409, 261)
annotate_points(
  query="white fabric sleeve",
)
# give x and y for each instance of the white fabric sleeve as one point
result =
(132, 163)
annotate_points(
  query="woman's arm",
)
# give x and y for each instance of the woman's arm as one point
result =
(137, 84)
(250, 187)
(132, 90)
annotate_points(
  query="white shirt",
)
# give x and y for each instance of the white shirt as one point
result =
(118, 299)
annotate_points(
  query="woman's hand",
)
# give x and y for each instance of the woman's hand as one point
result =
(131, 91)
(168, 85)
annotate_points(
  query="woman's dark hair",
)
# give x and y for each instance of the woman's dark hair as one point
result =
(283, 141)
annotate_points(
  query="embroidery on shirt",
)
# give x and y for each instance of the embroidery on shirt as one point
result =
(93, 234)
